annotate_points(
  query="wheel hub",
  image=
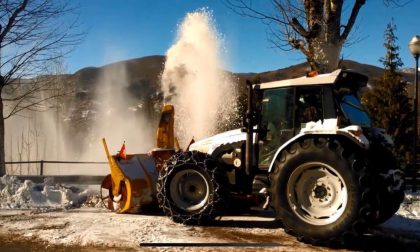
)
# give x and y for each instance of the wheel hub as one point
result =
(317, 193)
(192, 189)
(189, 190)
(320, 192)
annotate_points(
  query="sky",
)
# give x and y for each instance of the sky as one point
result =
(121, 30)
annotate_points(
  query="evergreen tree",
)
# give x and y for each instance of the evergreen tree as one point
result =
(392, 60)
(387, 101)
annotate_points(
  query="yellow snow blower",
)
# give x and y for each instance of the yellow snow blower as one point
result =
(132, 181)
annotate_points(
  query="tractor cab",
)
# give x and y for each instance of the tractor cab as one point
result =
(286, 107)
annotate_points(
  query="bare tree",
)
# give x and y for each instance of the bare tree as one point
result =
(35, 134)
(33, 34)
(396, 3)
(20, 150)
(28, 147)
(12, 170)
(317, 28)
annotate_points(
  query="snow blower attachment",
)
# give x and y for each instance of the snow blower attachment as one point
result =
(133, 178)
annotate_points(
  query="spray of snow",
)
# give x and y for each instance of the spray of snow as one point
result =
(32, 136)
(17, 195)
(38, 133)
(193, 79)
(115, 115)
(119, 117)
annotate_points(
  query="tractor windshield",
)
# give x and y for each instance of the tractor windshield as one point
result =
(353, 110)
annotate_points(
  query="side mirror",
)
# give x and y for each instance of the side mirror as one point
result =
(341, 92)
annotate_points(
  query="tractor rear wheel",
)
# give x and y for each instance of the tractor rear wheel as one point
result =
(189, 189)
(389, 185)
(317, 191)
(389, 203)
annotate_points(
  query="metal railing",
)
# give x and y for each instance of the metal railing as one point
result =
(412, 178)
(68, 179)
(43, 162)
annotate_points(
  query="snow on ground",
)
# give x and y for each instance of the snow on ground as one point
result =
(15, 194)
(70, 216)
(89, 226)
(67, 215)
(407, 219)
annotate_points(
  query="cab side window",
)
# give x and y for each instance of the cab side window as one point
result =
(308, 105)
(277, 119)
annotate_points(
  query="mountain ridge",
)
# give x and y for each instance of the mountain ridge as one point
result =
(150, 67)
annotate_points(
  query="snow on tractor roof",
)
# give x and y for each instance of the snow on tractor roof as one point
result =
(316, 80)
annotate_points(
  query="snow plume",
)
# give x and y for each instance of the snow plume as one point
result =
(193, 79)
(118, 117)
(32, 136)
(27, 194)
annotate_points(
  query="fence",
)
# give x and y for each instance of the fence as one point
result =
(70, 179)
(43, 162)
(412, 179)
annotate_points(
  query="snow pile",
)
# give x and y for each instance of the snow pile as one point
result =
(93, 200)
(406, 222)
(16, 194)
(410, 208)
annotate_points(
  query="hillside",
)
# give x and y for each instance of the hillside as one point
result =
(301, 70)
(143, 74)
(112, 96)
(140, 78)
(140, 73)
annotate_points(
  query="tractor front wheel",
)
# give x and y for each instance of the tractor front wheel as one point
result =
(189, 189)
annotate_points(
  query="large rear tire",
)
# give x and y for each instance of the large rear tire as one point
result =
(389, 185)
(318, 191)
(389, 203)
(188, 188)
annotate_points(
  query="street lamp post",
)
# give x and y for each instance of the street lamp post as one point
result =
(414, 47)
(0, 54)
(1, 77)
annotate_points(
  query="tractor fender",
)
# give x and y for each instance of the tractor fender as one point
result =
(211, 144)
(352, 133)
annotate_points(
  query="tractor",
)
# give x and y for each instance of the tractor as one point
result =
(307, 150)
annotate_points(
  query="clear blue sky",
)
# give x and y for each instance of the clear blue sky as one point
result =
(120, 30)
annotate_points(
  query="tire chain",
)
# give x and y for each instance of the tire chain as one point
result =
(389, 184)
(193, 158)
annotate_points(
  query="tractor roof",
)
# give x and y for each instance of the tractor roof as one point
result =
(321, 79)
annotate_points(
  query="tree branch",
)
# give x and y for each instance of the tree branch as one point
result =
(294, 23)
(396, 3)
(352, 19)
(12, 20)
